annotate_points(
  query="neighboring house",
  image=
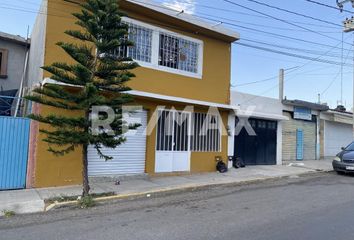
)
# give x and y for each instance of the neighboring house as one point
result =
(13, 51)
(184, 61)
(263, 146)
(301, 134)
(336, 131)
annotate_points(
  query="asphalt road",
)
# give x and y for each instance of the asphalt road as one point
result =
(313, 207)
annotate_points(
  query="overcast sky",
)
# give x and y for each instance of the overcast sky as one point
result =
(253, 64)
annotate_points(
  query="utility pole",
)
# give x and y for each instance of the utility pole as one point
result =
(349, 27)
(281, 84)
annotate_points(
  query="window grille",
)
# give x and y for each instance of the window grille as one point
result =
(178, 53)
(206, 133)
(142, 39)
(172, 131)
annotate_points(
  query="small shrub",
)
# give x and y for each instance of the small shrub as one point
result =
(8, 213)
(86, 202)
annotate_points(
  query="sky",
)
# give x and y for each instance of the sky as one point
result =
(304, 78)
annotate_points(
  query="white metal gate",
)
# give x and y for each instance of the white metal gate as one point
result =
(172, 141)
(128, 158)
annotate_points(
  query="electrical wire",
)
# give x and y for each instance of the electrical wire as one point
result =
(281, 20)
(292, 12)
(336, 77)
(209, 19)
(329, 6)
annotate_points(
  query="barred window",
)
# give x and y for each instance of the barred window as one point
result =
(206, 133)
(142, 39)
(162, 50)
(178, 53)
(3, 63)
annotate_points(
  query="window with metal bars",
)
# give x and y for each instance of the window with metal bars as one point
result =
(178, 53)
(142, 39)
(206, 133)
(3, 63)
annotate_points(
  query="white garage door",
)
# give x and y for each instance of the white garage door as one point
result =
(128, 158)
(337, 135)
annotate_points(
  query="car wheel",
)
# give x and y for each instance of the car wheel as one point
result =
(340, 173)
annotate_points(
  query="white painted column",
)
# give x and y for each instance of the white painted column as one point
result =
(280, 143)
(231, 137)
(318, 144)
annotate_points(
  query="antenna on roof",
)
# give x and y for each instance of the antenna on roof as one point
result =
(180, 12)
(218, 24)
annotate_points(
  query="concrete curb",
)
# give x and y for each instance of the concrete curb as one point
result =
(180, 189)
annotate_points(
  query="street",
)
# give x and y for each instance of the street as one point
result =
(319, 206)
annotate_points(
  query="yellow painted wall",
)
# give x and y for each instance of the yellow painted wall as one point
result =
(214, 87)
(200, 161)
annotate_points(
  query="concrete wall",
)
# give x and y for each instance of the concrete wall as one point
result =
(36, 55)
(15, 66)
(289, 138)
(261, 104)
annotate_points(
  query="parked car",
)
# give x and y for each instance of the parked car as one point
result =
(344, 161)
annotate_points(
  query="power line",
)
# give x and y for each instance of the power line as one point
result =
(292, 12)
(279, 19)
(265, 32)
(335, 78)
(261, 25)
(264, 80)
(255, 82)
(214, 20)
(256, 15)
(313, 52)
(291, 54)
(329, 6)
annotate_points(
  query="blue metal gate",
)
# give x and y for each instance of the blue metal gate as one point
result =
(14, 141)
(299, 144)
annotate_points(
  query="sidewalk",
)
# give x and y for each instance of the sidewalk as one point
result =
(32, 200)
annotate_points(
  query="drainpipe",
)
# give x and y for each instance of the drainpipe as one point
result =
(23, 77)
(281, 84)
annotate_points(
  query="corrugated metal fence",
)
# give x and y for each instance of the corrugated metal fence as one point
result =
(14, 141)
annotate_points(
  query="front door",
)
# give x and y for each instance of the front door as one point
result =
(299, 144)
(172, 141)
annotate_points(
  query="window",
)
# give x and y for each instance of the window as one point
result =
(206, 133)
(178, 53)
(163, 50)
(142, 38)
(3, 63)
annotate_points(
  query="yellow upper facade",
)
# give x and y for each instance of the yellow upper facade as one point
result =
(178, 55)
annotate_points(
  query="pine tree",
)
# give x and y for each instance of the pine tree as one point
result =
(98, 75)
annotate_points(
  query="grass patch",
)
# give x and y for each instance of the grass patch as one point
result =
(87, 202)
(77, 198)
(8, 213)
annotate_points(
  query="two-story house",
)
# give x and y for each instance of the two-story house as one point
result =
(184, 62)
(13, 50)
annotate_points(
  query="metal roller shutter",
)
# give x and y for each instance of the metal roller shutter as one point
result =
(337, 135)
(128, 158)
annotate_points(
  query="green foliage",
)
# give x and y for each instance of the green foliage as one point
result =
(64, 198)
(8, 213)
(97, 77)
(86, 201)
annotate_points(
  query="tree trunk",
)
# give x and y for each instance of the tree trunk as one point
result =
(85, 183)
